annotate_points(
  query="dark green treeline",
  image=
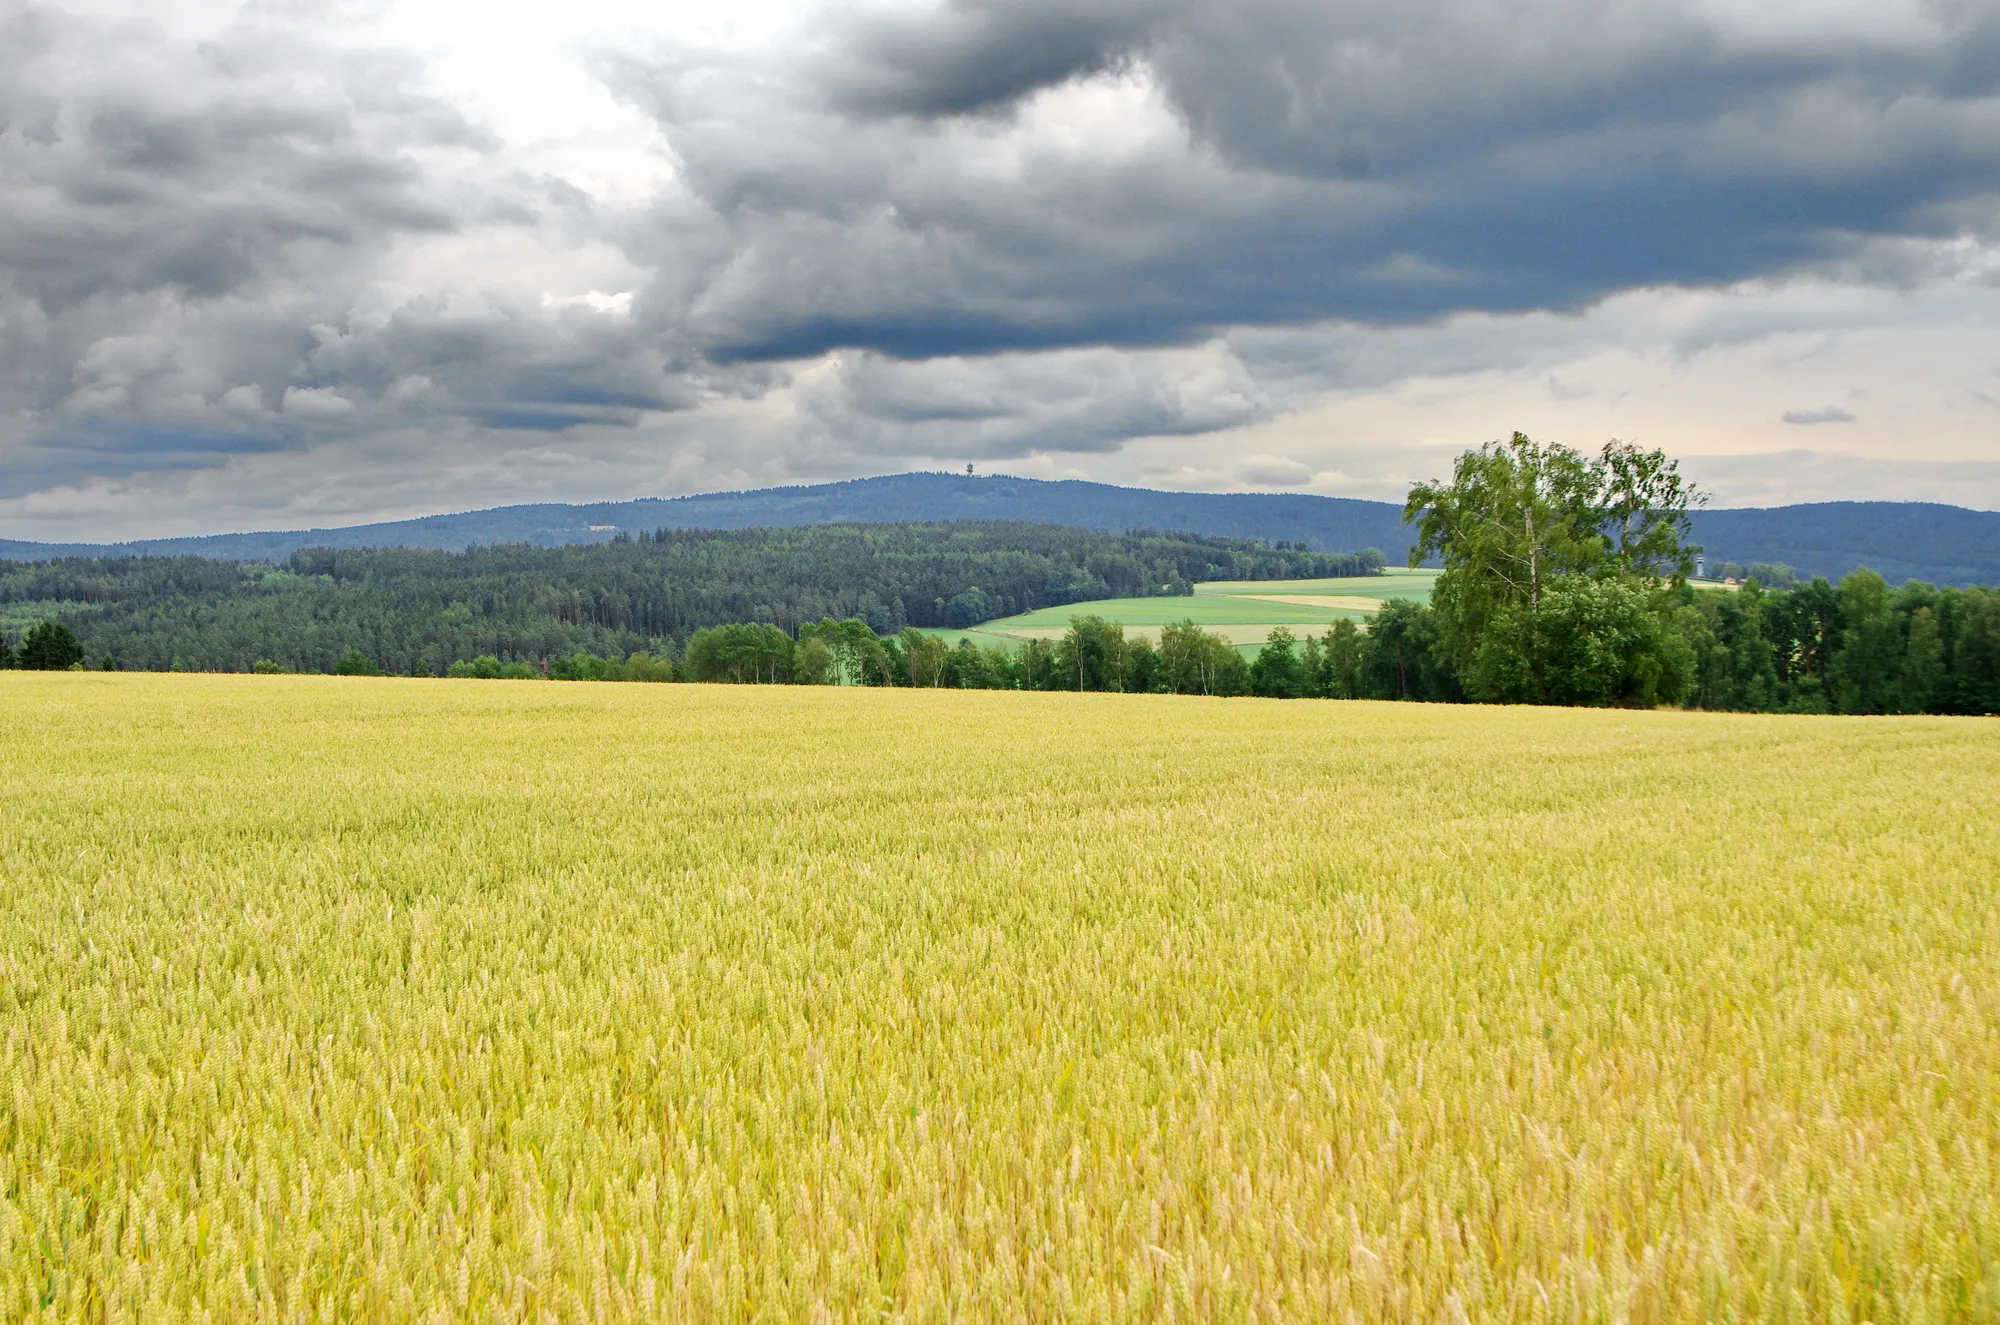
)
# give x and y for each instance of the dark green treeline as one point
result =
(408, 612)
(1859, 647)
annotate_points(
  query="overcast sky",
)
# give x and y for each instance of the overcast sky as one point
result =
(285, 264)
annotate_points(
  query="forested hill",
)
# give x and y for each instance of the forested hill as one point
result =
(1326, 524)
(648, 592)
(1899, 540)
(1902, 540)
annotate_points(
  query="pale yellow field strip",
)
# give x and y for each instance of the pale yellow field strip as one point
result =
(1331, 602)
(1249, 633)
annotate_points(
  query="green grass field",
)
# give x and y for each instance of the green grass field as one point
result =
(1241, 611)
(348, 999)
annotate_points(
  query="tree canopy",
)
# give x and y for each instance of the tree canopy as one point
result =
(49, 647)
(1556, 571)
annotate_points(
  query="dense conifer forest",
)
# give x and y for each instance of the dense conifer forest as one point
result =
(410, 610)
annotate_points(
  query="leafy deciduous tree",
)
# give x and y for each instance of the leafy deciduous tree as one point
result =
(1865, 666)
(926, 658)
(1517, 526)
(1091, 655)
(1277, 672)
(1194, 661)
(740, 653)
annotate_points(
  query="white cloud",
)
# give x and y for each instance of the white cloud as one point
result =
(1274, 472)
(316, 404)
(243, 402)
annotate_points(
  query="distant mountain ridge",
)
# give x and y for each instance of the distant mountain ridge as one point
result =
(1902, 540)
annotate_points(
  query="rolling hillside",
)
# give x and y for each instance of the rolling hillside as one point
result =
(1903, 540)
(1243, 612)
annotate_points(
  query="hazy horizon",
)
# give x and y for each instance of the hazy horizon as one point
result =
(584, 502)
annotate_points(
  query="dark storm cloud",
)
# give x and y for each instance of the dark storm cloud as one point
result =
(1343, 160)
(974, 58)
(1091, 399)
(501, 360)
(137, 163)
(120, 449)
(194, 236)
(1035, 225)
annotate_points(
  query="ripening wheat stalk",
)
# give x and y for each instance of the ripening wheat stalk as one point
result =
(349, 999)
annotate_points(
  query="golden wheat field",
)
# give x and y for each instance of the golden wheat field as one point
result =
(396, 1000)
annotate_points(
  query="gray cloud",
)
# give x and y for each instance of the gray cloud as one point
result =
(1003, 406)
(1346, 160)
(1019, 226)
(1775, 479)
(137, 163)
(272, 238)
(1274, 472)
(967, 59)
(1827, 414)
